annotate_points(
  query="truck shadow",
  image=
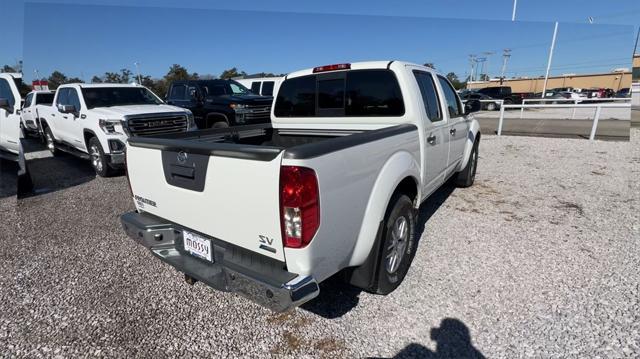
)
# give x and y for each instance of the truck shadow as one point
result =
(8, 178)
(51, 174)
(452, 338)
(337, 297)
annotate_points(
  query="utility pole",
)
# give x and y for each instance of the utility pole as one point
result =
(513, 15)
(488, 55)
(635, 48)
(472, 62)
(481, 60)
(506, 54)
(138, 71)
(37, 75)
(553, 45)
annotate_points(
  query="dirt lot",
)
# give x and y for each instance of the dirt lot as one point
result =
(540, 258)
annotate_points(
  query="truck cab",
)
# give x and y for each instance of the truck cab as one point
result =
(220, 103)
(30, 118)
(10, 104)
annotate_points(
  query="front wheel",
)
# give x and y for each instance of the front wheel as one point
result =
(491, 106)
(467, 176)
(98, 158)
(50, 141)
(398, 244)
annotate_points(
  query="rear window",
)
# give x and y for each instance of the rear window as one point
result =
(44, 99)
(357, 93)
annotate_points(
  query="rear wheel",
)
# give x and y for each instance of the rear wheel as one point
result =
(99, 159)
(467, 176)
(491, 106)
(398, 244)
(50, 141)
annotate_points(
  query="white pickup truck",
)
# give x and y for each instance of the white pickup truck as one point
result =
(332, 185)
(93, 121)
(33, 103)
(10, 103)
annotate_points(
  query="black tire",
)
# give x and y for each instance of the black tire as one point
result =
(395, 243)
(467, 176)
(99, 159)
(508, 101)
(50, 141)
(220, 124)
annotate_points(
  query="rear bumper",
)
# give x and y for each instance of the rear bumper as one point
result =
(256, 277)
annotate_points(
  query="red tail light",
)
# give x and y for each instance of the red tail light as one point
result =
(299, 205)
(331, 68)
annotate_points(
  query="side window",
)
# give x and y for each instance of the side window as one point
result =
(455, 110)
(73, 99)
(429, 95)
(255, 87)
(178, 92)
(63, 97)
(28, 100)
(5, 92)
(267, 88)
(193, 93)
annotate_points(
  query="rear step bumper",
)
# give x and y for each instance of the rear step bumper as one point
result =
(254, 276)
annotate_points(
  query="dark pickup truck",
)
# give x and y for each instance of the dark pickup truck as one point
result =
(504, 93)
(220, 103)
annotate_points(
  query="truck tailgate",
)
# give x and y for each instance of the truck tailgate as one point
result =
(220, 193)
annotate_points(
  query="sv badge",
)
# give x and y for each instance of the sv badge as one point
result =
(265, 243)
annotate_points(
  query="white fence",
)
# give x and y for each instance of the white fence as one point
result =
(598, 109)
(577, 102)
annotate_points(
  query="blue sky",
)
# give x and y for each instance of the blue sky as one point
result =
(282, 36)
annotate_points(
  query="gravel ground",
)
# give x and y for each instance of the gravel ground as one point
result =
(539, 258)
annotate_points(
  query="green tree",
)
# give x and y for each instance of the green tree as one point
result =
(7, 68)
(56, 79)
(430, 65)
(74, 80)
(453, 78)
(232, 72)
(96, 80)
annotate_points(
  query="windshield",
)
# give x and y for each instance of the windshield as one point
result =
(238, 89)
(118, 96)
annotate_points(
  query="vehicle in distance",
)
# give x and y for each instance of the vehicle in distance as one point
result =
(568, 95)
(265, 86)
(623, 93)
(220, 103)
(332, 185)
(33, 102)
(484, 102)
(504, 93)
(93, 121)
(10, 102)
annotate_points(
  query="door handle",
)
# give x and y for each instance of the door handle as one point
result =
(431, 139)
(452, 131)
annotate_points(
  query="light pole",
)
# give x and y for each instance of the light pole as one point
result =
(513, 15)
(472, 61)
(553, 45)
(138, 71)
(488, 55)
(505, 57)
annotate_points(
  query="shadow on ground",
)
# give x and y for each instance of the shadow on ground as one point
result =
(337, 297)
(452, 338)
(8, 178)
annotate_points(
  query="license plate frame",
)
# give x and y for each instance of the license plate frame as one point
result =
(197, 246)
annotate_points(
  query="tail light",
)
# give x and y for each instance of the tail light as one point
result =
(299, 205)
(334, 67)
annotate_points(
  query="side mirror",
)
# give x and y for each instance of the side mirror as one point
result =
(67, 108)
(5, 105)
(472, 106)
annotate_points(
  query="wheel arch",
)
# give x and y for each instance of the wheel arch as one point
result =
(400, 173)
(211, 115)
(472, 136)
(87, 134)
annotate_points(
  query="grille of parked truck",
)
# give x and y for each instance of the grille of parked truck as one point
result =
(332, 185)
(93, 121)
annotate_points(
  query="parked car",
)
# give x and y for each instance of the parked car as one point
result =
(10, 103)
(504, 93)
(94, 121)
(333, 184)
(220, 103)
(29, 118)
(567, 95)
(265, 86)
(471, 96)
(623, 93)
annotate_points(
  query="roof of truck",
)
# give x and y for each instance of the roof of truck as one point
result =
(355, 66)
(104, 85)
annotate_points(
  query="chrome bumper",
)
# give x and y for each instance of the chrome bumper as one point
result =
(234, 269)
